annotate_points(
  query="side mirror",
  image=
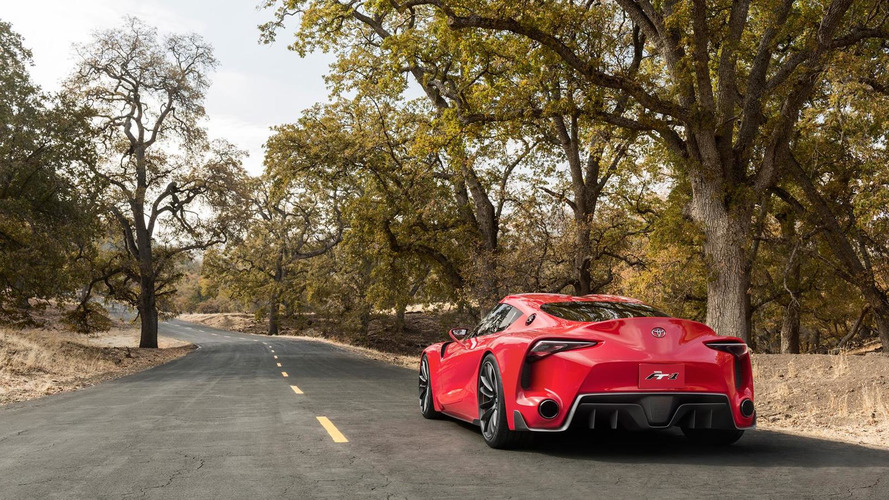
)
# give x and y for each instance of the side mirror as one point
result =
(458, 334)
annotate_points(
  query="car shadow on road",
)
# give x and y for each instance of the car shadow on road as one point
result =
(756, 448)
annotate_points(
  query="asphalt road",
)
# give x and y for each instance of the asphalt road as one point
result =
(223, 422)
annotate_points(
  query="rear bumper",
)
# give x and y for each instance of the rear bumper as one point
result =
(645, 410)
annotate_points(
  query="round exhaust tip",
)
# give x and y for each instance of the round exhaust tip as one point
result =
(548, 409)
(747, 408)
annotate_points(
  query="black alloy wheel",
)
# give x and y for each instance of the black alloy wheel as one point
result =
(492, 408)
(427, 409)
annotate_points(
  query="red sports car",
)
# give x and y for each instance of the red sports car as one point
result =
(547, 362)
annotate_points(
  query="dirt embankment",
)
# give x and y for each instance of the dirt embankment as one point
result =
(839, 397)
(36, 362)
(237, 322)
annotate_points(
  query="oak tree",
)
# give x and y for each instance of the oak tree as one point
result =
(167, 185)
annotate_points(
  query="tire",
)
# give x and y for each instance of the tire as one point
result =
(492, 408)
(427, 407)
(712, 437)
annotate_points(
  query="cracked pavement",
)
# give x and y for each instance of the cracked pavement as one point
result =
(223, 423)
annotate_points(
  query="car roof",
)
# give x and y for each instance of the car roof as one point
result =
(536, 300)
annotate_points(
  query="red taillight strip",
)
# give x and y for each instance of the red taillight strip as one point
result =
(736, 349)
(544, 348)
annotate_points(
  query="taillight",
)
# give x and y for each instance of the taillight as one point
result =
(737, 349)
(544, 348)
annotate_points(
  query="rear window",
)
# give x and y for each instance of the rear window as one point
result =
(590, 312)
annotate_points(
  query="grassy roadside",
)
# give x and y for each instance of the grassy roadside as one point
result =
(36, 362)
(841, 398)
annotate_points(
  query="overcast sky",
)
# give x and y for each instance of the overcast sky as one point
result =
(255, 86)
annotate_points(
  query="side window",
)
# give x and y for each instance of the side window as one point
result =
(487, 324)
(497, 320)
(509, 319)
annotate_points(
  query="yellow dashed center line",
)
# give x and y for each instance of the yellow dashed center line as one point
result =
(332, 430)
(284, 374)
(296, 389)
(279, 365)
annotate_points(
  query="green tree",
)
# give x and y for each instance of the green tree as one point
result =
(379, 58)
(46, 217)
(288, 223)
(722, 90)
(403, 224)
(838, 179)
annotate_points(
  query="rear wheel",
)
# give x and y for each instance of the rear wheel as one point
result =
(712, 437)
(427, 408)
(492, 408)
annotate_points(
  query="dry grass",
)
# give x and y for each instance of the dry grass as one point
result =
(41, 361)
(27, 354)
(839, 397)
(239, 322)
(840, 366)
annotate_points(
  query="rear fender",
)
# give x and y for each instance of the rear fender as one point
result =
(433, 355)
(510, 355)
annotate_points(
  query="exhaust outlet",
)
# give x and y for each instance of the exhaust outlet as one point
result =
(747, 408)
(548, 409)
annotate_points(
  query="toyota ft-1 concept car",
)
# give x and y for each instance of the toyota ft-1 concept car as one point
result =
(549, 362)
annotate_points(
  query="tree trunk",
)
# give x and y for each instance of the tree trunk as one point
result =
(727, 291)
(748, 317)
(147, 290)
(23, 302)
(274, 314)
(880, 308)
(399, 318)
(855, 329)
(584, 280)
(487, 289)
(790, 324)
(729, 284)
(790, 329)
(723, 208)
(488, 227)
(816, 341)
(148, 313)
(584, 198)
(275, 297)
(365, 321)
(882, 320)
(478, 212)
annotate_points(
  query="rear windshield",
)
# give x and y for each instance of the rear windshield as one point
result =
(590, 312)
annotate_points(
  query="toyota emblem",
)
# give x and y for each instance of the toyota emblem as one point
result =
(658, 332)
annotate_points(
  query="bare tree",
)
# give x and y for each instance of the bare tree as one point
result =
(163, 176)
